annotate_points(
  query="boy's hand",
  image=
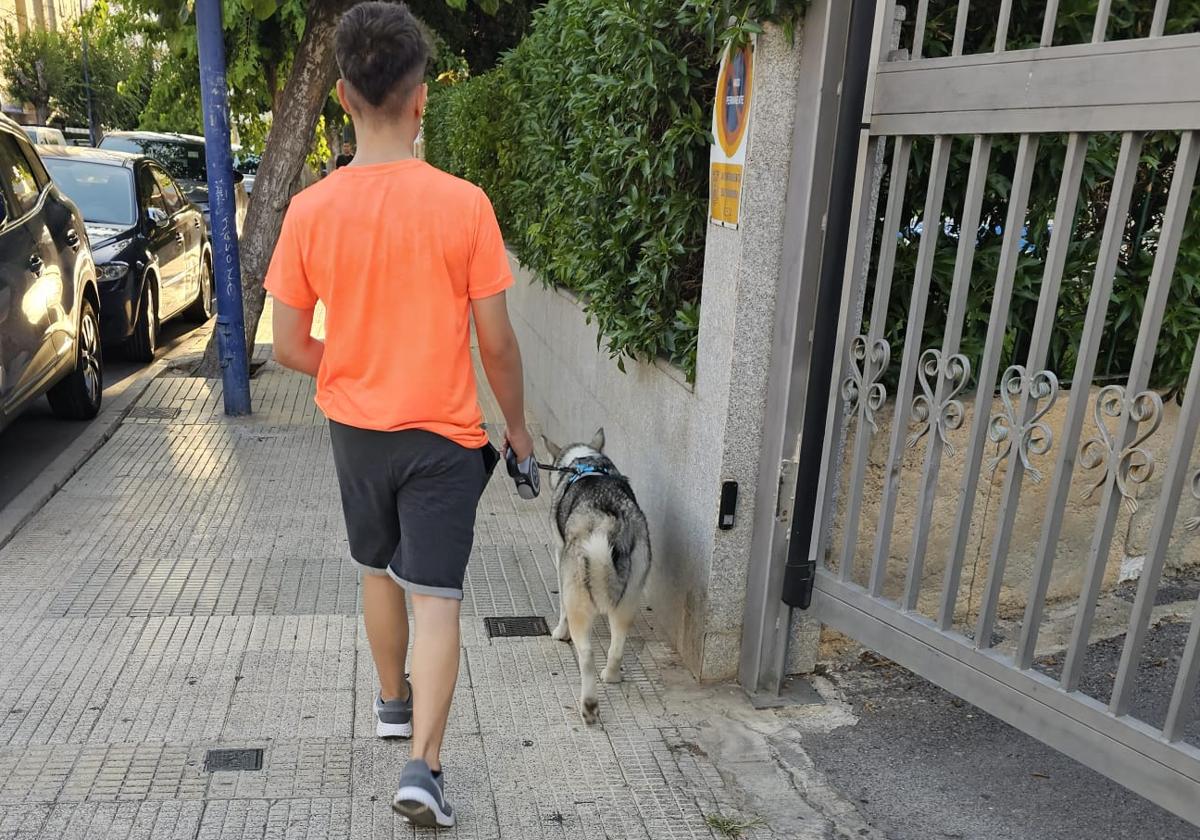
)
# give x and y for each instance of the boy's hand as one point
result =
(519, 441)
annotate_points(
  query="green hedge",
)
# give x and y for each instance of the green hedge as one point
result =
(592, 140)
(466, 130)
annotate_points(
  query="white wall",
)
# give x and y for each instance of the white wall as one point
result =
(657, 431)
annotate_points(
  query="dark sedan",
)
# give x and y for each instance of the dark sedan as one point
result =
(182, 155)
(150, 243)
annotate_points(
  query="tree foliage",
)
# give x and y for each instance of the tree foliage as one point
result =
(46, 68)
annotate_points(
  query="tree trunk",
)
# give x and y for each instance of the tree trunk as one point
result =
(293, 124)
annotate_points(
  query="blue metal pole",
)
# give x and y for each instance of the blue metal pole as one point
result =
(214, 99)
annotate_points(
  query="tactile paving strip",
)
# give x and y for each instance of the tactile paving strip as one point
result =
(189, 591)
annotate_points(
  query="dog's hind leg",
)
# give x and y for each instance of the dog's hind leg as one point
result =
(562, 632)
(619, 622)
(579, 616)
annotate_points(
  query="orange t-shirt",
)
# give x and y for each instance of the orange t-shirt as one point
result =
(396, 252)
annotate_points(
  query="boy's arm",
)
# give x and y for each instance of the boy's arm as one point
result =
(295, 347)
(501, 358)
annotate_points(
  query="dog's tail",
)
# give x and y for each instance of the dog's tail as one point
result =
(613, 552)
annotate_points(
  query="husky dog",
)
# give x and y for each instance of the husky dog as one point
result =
(603, 560)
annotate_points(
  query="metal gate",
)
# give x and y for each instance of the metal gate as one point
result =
(918, 478)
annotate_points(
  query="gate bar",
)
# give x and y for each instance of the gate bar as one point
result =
(1085, 365)
(897, 182)
(1100, 30)
(931, 226)
(1049, 22)
(968, 235)
(1177, 468)
(960, 27)
(1006, 272)
(994, 346)
(1179, 715)
(1129, 424)
(1039, 345)
(1002, 25)
(919, 28)
(1159, 24)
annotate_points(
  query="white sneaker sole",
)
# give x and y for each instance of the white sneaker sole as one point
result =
(418, 806)
(392, 730)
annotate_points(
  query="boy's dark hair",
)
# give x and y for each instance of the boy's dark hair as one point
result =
(381, 52)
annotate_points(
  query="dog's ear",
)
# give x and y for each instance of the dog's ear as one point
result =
(554, 449)
(598, 440)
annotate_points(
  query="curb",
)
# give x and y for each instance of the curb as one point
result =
(117, 405)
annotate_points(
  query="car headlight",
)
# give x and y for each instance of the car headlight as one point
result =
(114, 271)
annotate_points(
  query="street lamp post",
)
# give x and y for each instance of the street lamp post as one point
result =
(214, 99)
(93, 129)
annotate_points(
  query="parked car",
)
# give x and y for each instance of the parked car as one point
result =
(183, 156)
(49, 298)
(149, 242)
(45, 135)
(78, 136)
(247, 164)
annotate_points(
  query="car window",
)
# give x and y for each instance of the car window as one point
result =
(40, 175)
(18, 175)
(149, 192)
(183, 159)
(170, 192)
(103, 191)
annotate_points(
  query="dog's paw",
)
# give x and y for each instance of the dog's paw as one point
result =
(611, 675)
(562, 633)
(589, 710)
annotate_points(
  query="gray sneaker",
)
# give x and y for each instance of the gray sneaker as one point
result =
(421, 798)
(394, 718)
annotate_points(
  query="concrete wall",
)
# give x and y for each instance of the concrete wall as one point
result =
(678, 442)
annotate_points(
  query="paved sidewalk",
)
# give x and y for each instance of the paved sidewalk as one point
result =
(189, 589)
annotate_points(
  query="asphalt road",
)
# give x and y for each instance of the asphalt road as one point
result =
(921, 764)
(37, 437)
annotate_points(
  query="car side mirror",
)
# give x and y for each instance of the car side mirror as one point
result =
(158, 217)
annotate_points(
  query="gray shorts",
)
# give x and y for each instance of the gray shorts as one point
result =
(409, 499)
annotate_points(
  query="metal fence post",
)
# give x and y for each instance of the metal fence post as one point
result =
(214, 98)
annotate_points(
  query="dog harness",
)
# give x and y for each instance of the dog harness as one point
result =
(581, 469)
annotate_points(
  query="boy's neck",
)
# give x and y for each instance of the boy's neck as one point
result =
(383, 142)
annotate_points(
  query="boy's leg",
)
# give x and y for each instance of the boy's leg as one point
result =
(440, 487)
(363, 459)
(385, 616)
(434, 673)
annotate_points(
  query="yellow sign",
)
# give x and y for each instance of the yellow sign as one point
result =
(725, 183)
(731, 120)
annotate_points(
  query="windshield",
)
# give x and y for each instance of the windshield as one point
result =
(104, 192)
(184, 159)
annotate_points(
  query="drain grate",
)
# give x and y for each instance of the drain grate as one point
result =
(216, 761)
(153, 412)
(516, 625)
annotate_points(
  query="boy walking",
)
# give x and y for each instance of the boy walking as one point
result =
(403, 256)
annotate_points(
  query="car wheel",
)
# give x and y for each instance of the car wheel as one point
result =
(141, 346)
(205, 305)
(78, 396)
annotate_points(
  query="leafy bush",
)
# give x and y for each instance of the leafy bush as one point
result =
(467, 126)
(592, 139)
